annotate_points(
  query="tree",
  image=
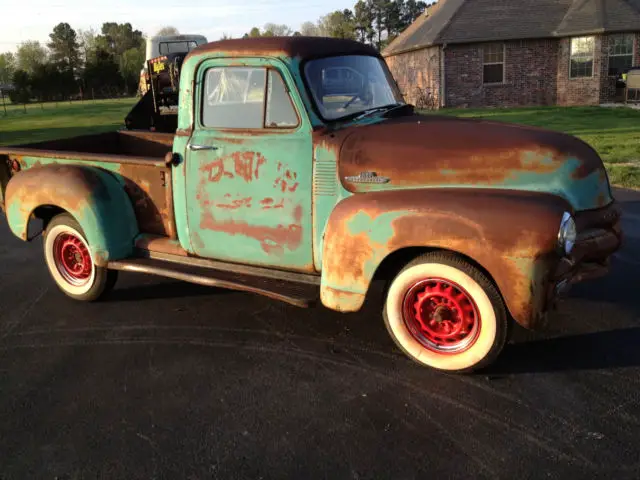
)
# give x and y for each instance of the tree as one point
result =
(7, 67)
(226, 36)
(270, 30)
(21, 92)
(45, 82)
(411, 10)
(253, 33)
(118, 38)
(309, 29)
(88, 41)
(378, 10)
(392, 18)
(168, 31)
(130, 64)
(29, 55)
(64, 47)
(277, 30)
(101, 75)
(338, 24)
(363, 19)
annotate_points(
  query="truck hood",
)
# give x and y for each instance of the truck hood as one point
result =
(419, 151)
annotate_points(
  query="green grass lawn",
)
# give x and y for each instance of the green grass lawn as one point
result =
(50, 121)
(613, 132)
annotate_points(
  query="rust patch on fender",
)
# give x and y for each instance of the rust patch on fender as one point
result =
(470, 222)
(433, 150)
(66, 183)
(340, 300)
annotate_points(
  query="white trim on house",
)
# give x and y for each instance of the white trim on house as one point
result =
(634, 47)
(593, 56)
(503, 63)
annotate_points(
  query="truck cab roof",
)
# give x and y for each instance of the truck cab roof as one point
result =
(300, 47)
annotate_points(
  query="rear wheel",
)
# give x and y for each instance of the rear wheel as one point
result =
(70, 262)
(446, 314)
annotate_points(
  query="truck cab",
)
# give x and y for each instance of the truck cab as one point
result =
(286, 180)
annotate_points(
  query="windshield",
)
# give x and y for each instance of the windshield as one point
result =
(347, 85)
(177, 47)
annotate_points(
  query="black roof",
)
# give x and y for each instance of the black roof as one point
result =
(468, 21)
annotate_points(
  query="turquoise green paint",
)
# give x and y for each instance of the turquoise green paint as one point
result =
(250, 200)
(582, 193)
(106, 216)
(325, 197)
(378, 229)
(179, 184)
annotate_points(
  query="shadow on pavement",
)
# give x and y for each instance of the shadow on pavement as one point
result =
(589, 351)
(152, 291)
(621, 287)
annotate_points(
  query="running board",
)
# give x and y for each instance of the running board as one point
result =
(294, 293)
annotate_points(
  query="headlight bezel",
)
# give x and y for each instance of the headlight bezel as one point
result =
(567, 234)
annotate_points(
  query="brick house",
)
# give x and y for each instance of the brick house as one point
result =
(476, 53)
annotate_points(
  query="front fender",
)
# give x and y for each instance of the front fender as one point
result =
(511, 234)
(91, 195)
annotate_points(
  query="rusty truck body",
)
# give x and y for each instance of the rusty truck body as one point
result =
(273, 185)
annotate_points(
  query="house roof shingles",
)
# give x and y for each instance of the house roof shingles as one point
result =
(468, 21)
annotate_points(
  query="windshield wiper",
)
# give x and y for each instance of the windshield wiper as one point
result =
(369, 111)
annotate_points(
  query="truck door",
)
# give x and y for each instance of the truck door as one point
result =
(248, 166)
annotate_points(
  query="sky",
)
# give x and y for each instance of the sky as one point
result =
(34, 19)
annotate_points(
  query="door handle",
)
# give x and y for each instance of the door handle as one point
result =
(197, 148)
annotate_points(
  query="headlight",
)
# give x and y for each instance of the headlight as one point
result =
(567, 234)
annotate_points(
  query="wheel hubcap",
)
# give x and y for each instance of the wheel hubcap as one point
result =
(441, 315)
(72, 258)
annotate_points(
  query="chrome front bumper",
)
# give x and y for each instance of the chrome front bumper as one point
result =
(599, 237)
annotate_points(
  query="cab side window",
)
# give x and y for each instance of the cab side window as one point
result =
(246, 98)
(280, 111)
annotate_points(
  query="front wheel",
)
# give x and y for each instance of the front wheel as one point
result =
(446, 314)
(70, 262)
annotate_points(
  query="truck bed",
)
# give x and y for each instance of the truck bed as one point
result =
(136, 158)
(121, 144)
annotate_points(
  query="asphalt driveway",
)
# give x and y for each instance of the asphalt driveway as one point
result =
(171, 380)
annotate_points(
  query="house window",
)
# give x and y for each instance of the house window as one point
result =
(582, 57)
(493, 64)
(620, 53)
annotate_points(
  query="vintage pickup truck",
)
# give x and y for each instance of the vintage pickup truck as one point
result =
(272, 185)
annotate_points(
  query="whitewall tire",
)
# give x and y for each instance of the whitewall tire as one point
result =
(445, 313)
(70, 263)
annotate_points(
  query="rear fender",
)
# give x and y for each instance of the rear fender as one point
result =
(512, 235)
(91, 195)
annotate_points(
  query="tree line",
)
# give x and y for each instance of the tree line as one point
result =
(376, 22)
(83, 64)
(90, 64)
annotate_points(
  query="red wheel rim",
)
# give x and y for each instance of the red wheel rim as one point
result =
(72, 259)
(441, 315)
